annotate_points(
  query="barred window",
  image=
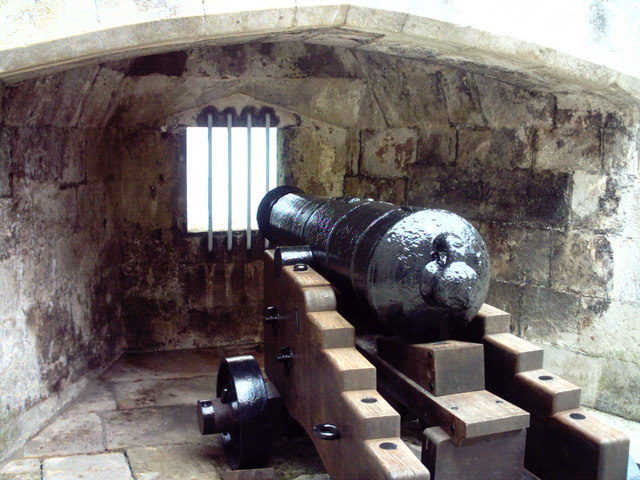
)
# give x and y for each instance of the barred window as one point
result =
(229, 170)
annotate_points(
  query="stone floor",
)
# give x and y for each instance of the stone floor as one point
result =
(137, 422)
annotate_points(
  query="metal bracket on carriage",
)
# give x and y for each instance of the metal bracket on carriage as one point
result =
(299, 256)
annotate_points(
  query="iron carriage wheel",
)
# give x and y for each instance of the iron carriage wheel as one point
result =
(240, 384)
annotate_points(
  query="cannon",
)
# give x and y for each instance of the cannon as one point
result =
(433, 350)
(422, 273)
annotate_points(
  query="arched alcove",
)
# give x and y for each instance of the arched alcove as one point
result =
(536, 148)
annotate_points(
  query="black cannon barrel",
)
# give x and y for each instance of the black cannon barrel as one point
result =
(423, 273)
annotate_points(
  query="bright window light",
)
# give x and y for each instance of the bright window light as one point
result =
(197, 176)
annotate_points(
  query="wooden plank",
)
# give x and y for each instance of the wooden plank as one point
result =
(512, 354)
(443, 368)
(574, 445)
(463, 415)
(329, 379)
(540, 390)
(595, 443)
(380, 419)
(390, 459)
(495, 457)
(488, 321)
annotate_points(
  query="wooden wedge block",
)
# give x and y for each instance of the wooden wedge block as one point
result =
(544, 392)
(574, 445)
(461, 415)
(442, 368)
(393, 460)
(509, 354)
(495, 457)
(488, 321)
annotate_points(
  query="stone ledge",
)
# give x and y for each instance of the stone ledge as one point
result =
(400, 33)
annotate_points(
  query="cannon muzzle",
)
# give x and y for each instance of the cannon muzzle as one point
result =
(422, 273)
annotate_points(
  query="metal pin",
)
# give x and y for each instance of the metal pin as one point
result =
(230, 185)
(210, 180)
(267, 125)
(248, 180)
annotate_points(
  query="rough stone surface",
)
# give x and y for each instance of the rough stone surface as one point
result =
(618, 387)
(106, 466)
(463, 100)
(133, 367)
(386, 153)
(67, 436)
(183, 462)
(164, 393)
(518, 255)
(582, 264)
(27, 469)
(150, 426)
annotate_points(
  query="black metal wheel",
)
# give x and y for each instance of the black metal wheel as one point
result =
(240, 385)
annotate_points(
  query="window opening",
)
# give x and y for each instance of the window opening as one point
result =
(230, 166)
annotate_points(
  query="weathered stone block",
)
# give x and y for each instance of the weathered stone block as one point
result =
(618, 388)
(581, 263)
(550, 316)
(26, 469)
(569, 150)
(312, 97)
(70, 96)
(386, 153)
(177, 462)
(133, 367)
(386, 190)
(106, 466)
(6, 161)
(163, 393)
(621, 150)
(37, 153)
(500, 148)
(31, 102)
(74, 158)
(580, 369)
(463, 102)
(625, 263)
(100, 100)
(314, 158)
(97, 397)
(149, 426)
(586, 196)
(534, 198)
(395, 84)
(436, 146)
(612, 332)
(67, 436)
(444, 187)
(518, 255)
(505, 105)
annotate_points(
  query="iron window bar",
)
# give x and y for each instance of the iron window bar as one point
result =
(228, 117)
(229, 183)
(249, 120)
(210, 180)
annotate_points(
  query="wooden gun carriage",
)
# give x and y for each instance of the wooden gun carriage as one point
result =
(489, 409)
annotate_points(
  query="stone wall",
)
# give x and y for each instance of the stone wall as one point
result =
(175, 294)
(548, 178)
(59, 248)
(95, 255)
(551, 181)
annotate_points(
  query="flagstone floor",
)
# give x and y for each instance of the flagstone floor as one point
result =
(138, 422)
